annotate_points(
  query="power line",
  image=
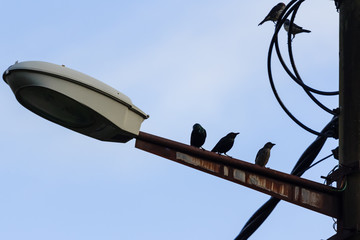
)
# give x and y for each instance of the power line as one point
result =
(274, 41)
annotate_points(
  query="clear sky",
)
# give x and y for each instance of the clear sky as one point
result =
(181, 62)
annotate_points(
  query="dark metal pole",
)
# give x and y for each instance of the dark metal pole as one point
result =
(349, 120)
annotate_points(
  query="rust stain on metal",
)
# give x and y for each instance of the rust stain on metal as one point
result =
(226, 171)
(188, 159)
(280, 189)
(308, 197)
(257, 181)
(210, 166)
(293, 189)
(239, 175)
(269, 185)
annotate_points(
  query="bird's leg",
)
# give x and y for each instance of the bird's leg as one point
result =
(228, 155)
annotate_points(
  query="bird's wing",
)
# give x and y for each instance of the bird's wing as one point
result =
(258, 156)
(220, 142)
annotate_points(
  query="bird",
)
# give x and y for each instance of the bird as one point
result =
(274, 13)
(263, 155)
(198, 136)
(337, 5)
(225, 144)
(295, 29)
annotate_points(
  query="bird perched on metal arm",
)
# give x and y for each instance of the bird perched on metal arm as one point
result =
(225, 144)
(263, 155)
(198, 136)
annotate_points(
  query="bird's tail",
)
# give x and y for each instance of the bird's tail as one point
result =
(265, 19)
(262, 22)
(305, 30)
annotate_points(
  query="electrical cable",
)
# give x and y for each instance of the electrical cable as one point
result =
(307, 89)
(277, 95)
(300, 167)
(330, 130)
(333, 112)
(274, 40)
(297, 78)
(321, 160)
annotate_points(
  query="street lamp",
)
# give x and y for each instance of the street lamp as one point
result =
(74, 100)
(88, 106)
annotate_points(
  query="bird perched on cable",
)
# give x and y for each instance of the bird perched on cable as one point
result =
(263, 155)
(295, 29)
(274, 13)
(198, 136)
(225, 144)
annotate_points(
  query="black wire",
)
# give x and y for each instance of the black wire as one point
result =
(326, 181)
(274, 40)
(297, 78)
(300, 81)
(257, 219)
(300, 167)
(275, 92)
(321, 160)
(305, 161)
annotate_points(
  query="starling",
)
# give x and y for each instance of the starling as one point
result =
(274, 13)
(262, 157)
(337, 4)
(198, 136)
(225, 144)
(295, 29)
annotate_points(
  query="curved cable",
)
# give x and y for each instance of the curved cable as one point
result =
(305, 87)
(309, 155)
(275, 91)
(300, 167)
(297, 78)
(321, 160)
(274, 41)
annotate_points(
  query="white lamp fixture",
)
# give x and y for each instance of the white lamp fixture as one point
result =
(74, 100)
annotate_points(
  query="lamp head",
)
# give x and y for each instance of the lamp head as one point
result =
(74, 100)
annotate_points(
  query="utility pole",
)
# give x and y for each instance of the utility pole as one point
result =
(349, 120)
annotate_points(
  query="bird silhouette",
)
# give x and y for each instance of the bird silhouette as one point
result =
(263, 155)
(295, 29)
(198, 136)
(337, 4)
(225, 144)
(274, 13)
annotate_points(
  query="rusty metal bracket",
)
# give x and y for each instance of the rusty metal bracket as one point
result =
(296, 190)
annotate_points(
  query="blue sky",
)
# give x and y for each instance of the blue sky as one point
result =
(181, 62)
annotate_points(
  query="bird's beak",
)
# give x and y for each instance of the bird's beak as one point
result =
(237, 133)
